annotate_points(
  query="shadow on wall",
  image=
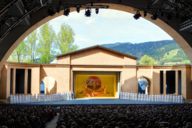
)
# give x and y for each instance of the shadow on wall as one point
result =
(50, 85)
(130, 85)
(54, 89)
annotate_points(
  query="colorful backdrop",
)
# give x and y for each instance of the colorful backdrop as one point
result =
(94, 84)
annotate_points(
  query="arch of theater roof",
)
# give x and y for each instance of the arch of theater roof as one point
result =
(15, 34)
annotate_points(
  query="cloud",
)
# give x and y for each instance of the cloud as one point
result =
(82, 41)
(115, 14)
(109, 26)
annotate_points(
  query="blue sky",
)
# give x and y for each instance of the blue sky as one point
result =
(109, 26)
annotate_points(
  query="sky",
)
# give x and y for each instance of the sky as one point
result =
(109, 26)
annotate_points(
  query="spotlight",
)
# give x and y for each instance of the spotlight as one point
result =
(137, 15)
(154, 16)
(78, 9)
(66, 12)
(88, 12)
(97, 10)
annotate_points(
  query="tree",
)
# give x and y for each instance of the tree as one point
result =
(19, 54)
(47, 37)
(31, 44)
(147, 60)
(65, 39)
(43, 44)
(26, 50)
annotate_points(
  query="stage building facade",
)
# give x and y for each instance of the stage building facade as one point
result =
(94, 72)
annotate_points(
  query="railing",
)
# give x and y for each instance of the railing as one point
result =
(14, 99)
(39, 98)
(152, 98)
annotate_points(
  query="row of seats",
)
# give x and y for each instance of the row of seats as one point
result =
(97, 116)
(125, 116)
(22, 116)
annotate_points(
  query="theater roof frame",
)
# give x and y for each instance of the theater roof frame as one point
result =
(40, 16)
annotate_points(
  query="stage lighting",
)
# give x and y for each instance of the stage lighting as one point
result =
(97, 10)
(66, 11)
(78, 9)
(88, 12)
(154, 16)
(137, 15)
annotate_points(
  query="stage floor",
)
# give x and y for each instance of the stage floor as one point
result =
(97, 102)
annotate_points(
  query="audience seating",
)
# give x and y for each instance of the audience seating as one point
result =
(22, 116)
(125, 116)
(97, 116)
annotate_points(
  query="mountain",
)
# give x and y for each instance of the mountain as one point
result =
(165, 51)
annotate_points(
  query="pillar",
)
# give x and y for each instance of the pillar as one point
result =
(8, 83)
(14, 80)
(26, 82)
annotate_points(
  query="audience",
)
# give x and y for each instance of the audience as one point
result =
(97, 116)
(19, 116)
(125, 116)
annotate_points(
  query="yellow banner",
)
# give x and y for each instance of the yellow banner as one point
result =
(95, 85)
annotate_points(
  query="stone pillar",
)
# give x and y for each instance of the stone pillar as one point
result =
(8, 82)
(14, 79)
(26, 82)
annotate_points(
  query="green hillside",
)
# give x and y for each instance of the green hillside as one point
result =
(165, 52)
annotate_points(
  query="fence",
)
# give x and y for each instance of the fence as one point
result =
(69, 96)
(152, 98)
(39, 98)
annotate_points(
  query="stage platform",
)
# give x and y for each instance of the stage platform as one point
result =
(96, 102)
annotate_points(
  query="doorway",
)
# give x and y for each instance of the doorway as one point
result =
(42, 88)
(179, 83)
(170, 82)
(20, 80)
(161, 82)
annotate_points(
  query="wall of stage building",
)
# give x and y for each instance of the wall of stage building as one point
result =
(153, 74)
(35, 80)
(96, 57)
(129, 79)
(63, 75)
(188, 82)
(3, 83)
(60, 73)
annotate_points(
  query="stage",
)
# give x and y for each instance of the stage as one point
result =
(97, 102)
